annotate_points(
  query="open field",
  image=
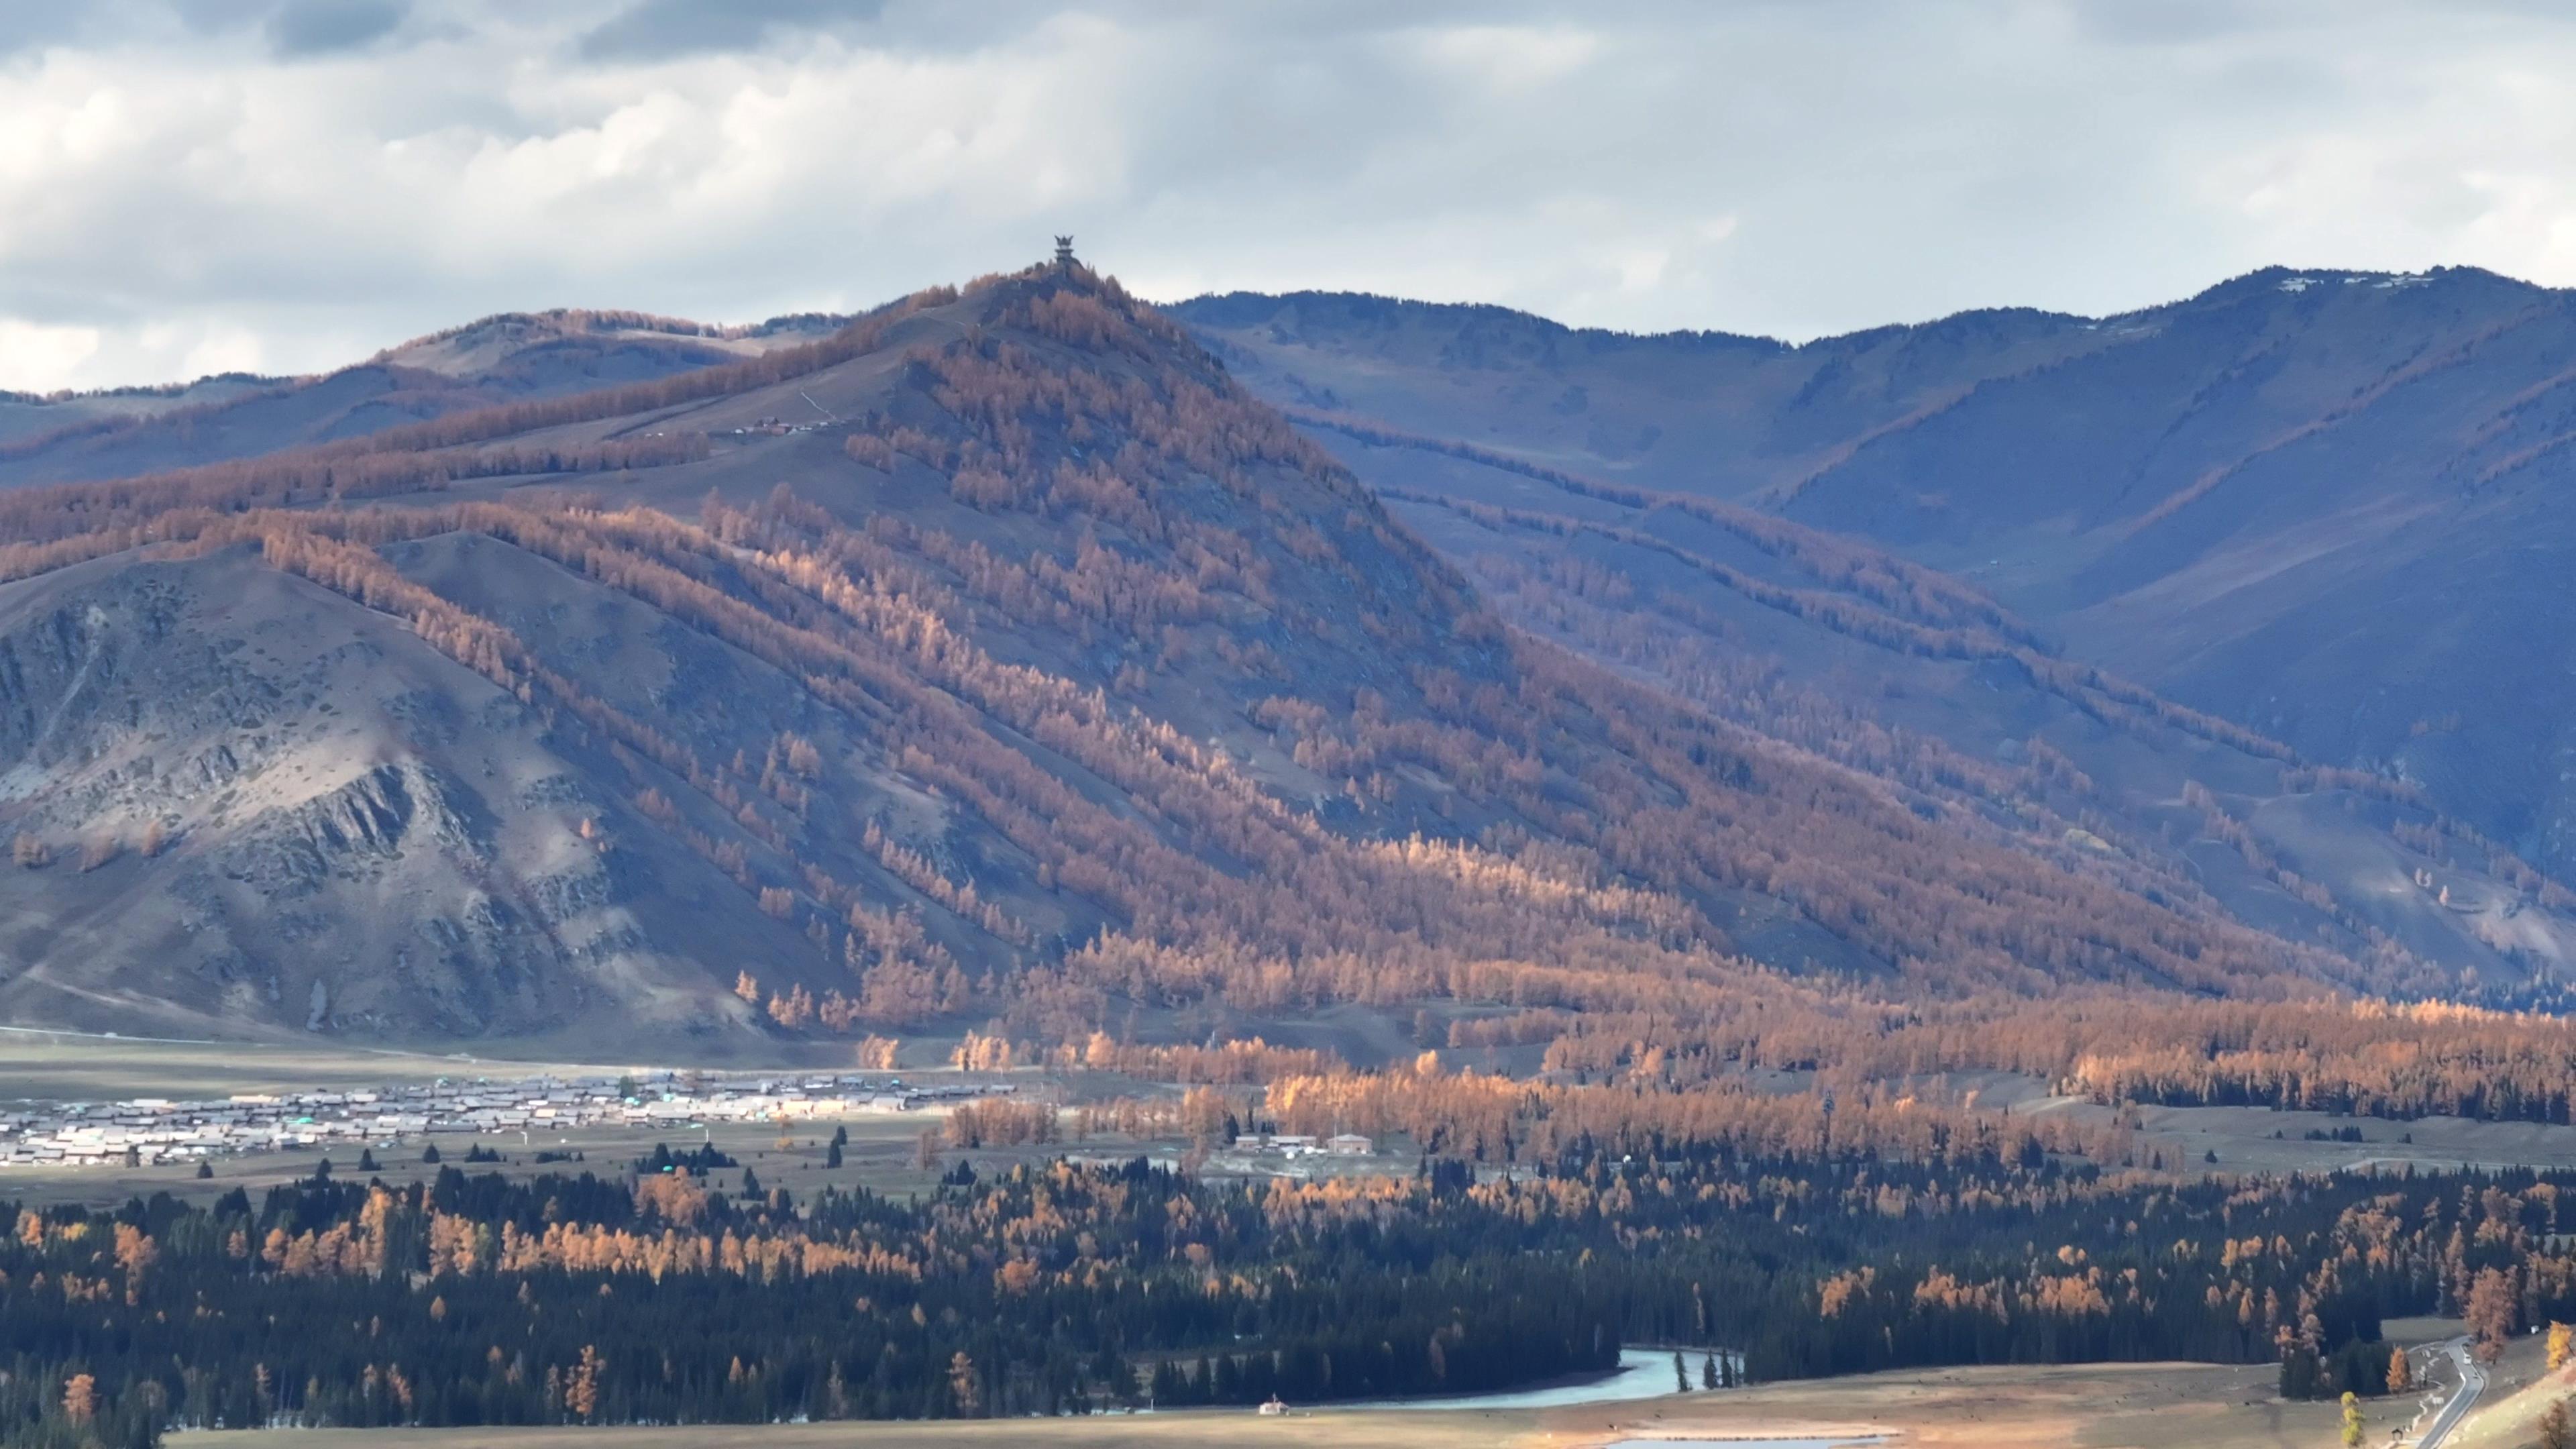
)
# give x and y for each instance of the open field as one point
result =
(76, 1066)
(2259, 1139)
(2122, 1406)
(2090, 1406)
(2244, 1141)
(881, 1156)
(1396, 1429)
(66, 1067)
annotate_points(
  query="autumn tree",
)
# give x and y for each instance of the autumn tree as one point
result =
(135, 1252)
(80, 1398)
(2492, 1310)
(581, 1386)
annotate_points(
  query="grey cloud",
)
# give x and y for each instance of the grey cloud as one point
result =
(291, 27)
(318, 27)
(1782, 166)
(28, 26)
(39, 23)
(664, 29)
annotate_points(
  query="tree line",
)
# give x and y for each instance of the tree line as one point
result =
(662, 1296)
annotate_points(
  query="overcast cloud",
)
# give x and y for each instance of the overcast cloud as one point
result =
(190, 186)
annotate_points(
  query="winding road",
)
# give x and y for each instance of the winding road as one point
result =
(2473, 1382)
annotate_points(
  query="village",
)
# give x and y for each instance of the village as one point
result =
(144, 1131)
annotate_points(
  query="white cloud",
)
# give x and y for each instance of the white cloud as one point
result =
(1512, 57)
(297, 187)
(36, 358)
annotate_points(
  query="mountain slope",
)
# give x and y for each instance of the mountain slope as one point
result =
(264, 805)
(1037, 675)
(2279, 503)
(496, 360)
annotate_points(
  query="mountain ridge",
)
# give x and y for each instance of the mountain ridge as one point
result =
(2205, 503)
(1219, 311)
(1039, 675)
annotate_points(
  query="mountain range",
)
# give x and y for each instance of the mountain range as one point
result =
(1022, 658)
(2324, 507)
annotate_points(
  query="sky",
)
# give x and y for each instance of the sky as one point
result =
(195, 186)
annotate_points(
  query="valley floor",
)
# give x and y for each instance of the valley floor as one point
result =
(2262, 1140)
(2116, 1406)
(47, 1068)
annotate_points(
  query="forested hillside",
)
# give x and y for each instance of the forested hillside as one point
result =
(1052, 679)
(2247, 576)
(1057, 690)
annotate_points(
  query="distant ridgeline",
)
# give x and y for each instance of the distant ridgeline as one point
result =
(1064, 1289)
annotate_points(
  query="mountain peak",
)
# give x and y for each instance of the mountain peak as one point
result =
(2315, 284)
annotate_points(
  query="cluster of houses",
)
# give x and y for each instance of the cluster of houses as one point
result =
(1288, 1144)
(150, 1130)
(1246, 1154)
(774, 428)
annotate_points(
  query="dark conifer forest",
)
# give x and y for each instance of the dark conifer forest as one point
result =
(1056, 1289)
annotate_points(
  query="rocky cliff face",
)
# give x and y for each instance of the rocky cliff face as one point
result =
(252, 804)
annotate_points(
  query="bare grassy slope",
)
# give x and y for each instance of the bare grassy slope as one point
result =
(268, 808)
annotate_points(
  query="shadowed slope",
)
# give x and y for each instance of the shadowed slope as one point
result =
(2285, 504)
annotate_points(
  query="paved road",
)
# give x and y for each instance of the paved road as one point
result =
(2473, 1382)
